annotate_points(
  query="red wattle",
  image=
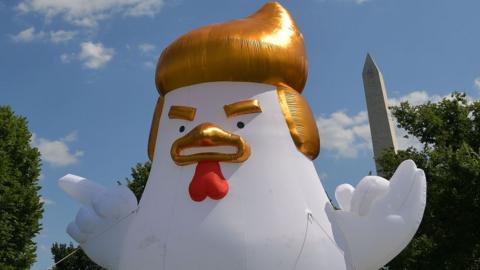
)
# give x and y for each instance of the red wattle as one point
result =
(208, 181)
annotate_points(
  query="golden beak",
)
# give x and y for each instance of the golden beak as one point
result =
(208, 134)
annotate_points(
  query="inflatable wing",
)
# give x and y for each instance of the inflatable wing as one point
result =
(100, 224)
(378, 218)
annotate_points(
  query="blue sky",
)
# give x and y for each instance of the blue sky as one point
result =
(82, 73)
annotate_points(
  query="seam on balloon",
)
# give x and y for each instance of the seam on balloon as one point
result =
(309, 217)
(325, 232)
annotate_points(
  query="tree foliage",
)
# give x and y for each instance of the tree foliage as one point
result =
(80, 261)
(20, 206)
(76, 261)
(139, 178)
(448, 237)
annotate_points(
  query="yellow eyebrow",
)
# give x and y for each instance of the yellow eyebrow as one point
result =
(182, 112)
(242, 107)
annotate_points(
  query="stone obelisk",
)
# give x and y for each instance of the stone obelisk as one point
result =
(381, 127)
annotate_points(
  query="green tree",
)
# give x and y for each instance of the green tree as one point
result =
(78, 260)
(139, 178)
(20, 206)
(448, 237)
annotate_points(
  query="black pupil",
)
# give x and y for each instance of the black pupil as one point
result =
(181, 129)
(240, 124)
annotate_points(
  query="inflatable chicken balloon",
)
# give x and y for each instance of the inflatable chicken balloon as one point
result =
(232, 184)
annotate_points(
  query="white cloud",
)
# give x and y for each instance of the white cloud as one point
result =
(28, 35)
(358, 2)
(46, 201)
(43, 247)
(67, 58)
(348, 135)
(43, 233)
(421, 97)
(62, 36)
(71, 137)
(405, 140)
(343, 134)
(57, 152)
(146, 48)
(25, 35)
(95, 55)
(149, 64)
(477, 83)
(87, 13)
(145, 8)
(415, 98)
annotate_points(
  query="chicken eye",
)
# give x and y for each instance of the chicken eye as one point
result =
(240, 124)
(181, 129)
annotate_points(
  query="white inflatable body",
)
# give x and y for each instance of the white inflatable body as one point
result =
(261, 223)
(276, 214)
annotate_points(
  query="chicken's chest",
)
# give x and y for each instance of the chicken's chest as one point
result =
(261, 222)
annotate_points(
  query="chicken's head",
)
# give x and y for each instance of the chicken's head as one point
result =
(226, 91)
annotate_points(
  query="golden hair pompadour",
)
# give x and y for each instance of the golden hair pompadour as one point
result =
(266, 47)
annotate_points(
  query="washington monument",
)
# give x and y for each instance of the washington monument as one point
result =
(381, 127)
